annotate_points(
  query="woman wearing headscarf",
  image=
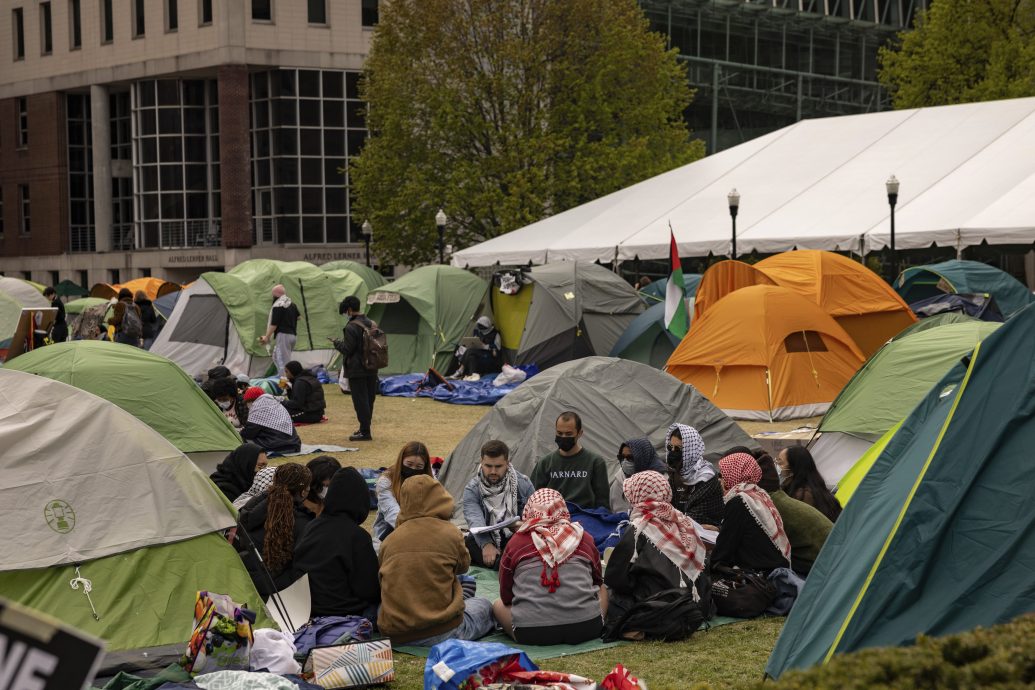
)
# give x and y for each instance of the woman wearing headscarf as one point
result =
(662, 550)
(274, 522)
(234, 475)
(338, 554)
(635, 455)
(752, 536)
(323, 469)
(260, 485)
(269, 424)
(550, 581)
(413, 459)
(801, 480)
(696, 490)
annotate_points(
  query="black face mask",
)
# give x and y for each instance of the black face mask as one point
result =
(675, 458)
(408, 472)
(565, 443)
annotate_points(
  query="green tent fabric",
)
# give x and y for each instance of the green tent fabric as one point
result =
(964, 277)
(66, 288)
(934, 322)
(850, 482)
(345, 283)
(425, 313)
(150, 387)
(372, 278)
(655, 291)
(10, 313)
(646, 340)
(887, 388)
(87, 490)
(940, 535)
(78, 306)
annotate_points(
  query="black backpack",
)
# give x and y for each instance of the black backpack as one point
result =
(741, 593)
(670, 615)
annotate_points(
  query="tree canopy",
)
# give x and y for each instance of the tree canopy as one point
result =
(503, 112)
(963, 51)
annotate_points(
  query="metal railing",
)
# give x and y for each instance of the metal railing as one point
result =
(179, 234)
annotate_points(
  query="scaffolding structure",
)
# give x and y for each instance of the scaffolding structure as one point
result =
(759, 65)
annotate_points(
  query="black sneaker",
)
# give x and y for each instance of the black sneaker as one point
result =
(360, 436)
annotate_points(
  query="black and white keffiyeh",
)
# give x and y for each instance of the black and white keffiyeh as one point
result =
(695, 468)
(267, 412)
(499, 500)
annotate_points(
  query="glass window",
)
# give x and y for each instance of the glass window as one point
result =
(369, 12)
(172, 18)
(24, 216)
(262, 143)
(262, 10)
(195, 150)
(170, 150)
(317, 12)
(139, 22)
(356, 139)
(333, 114)
(332, 86)
(75, 17)
(352, 85)
(357, 114)
(312, 230)
(261, 114)
(285, 172)
(47, 42)
(206, 12)
(262, 173)
(194, 120)
(284, 112)
(285, 201)
(287, 230)
(148, 149)
(145, 94)
(168, 92)
(18, 21)
(260, 85)
(312, 169)
(108, 21)
(197, 205)
(312, 200)
(330, 171)
(312, 142)
(23, 122)
(172, 206)
(308, 84)
(196, 177)
(169, 121)
(149, 178)
(171, 177)
(309, 113)
(337, 229)
(335, 199)
(146, 122)
(286, 82)
(284, 143)
(194, 92)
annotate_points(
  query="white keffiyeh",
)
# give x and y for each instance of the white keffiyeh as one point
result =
(282, 301)
(267, 412)
(499, 501)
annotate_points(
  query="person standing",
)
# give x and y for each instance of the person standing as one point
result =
(579, 475)
(283, 324)
(59, 331)
(148, 318)
(497, 493)
(127, 321)
(363, 382)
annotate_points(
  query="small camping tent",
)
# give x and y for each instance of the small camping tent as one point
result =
(617, 400)
(646, 340)
(152, 287)
(372, 278)
(939, 536)
(963, 277)
(655, 290)
(725, 277)
(886, 389)
(23, 292)
(562, 311)
(219, 318)
(89, 491)
(157, 392)
(68, 288)
(766, 352)
(425, 313)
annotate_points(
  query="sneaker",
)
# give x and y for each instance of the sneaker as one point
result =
(473, 377)
(360, 436)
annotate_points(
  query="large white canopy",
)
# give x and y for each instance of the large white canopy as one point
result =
(967, 174)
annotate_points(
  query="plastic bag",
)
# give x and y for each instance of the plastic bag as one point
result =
(222, 635)
(453, 662)
(274, 651)
(509, 376)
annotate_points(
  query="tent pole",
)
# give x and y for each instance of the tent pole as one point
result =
(769, 393)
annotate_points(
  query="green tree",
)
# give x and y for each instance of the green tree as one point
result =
(503, 112)
(963, 51)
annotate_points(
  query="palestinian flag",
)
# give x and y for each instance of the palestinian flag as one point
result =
(676, 319)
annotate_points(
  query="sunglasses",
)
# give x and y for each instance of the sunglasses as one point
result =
(622, 458)
(670, 448)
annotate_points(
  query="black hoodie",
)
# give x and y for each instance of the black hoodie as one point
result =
(338, 553)
(234, 475)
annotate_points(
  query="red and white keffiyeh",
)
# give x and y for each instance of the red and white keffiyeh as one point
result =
(547, 520)
(653, 515)
(741, 474)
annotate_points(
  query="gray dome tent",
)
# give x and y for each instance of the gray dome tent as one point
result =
(617, 399)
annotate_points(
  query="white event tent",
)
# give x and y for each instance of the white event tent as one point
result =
(967, 175)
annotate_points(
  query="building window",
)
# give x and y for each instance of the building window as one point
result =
(18, 20)
(107, 21)
(23, 122)
(84, 279)
(55, 277)
(113, 276)
(206, 12)
(80, 174)
(46, 30)
(172, 19)
(262, 10)
(369, 12)
(24, 222)
(139, 19)
(75, 29)
(317, 11)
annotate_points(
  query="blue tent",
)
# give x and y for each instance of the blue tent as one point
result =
(646, 340)
(655, 292)
(963, 277)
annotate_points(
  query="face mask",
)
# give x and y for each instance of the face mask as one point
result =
(226, 404)
(323, 493)
(565, 443)
(675, 458)
(628, 468)
(408, 472)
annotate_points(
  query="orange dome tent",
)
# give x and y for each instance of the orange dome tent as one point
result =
(152, 287)
(765, 352)
(723, 278)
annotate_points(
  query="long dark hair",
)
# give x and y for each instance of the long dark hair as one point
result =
(323, 468)
(395, 471)
(805, 475)
(278, 547)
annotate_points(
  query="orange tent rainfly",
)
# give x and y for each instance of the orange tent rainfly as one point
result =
(765, 352)
(152, 287)
(723, 278)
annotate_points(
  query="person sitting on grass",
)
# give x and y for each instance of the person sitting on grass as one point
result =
(305, 402)
(323, 468)
(274, 522)
(801, 480)
(696, 490)
(236, 472)
(260, 485)
(224, 393)
(551, 587)
(807, 528)
(496, 493)
(413, 459)
(752, 535)
(578, 474)
(269, 424)
(422, 600)
(635, 455)
(662, 550)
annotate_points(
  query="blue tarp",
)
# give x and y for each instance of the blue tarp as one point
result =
(604, 526)
(480, 392)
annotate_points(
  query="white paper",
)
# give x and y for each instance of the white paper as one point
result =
(498, 526)
(296, 600)
(707, 536)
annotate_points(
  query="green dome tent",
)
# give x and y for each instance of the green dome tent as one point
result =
(964, 277)
(372, 278)
(425, 313)
(886, 389)
(646, 340)
(87, 490)
(149, 387)
(78, 306)
(940, 534)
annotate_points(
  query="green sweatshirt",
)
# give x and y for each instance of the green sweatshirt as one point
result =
(580, 478)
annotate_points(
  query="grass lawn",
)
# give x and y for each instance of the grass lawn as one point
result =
(726, 657)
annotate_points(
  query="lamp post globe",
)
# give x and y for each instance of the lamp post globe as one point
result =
(368, 235)
(440, 224)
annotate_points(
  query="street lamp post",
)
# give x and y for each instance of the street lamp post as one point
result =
(892, 187)
(734, 201)
(440, 223)
(368, 234)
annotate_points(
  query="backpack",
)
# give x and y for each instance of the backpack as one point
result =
(741, 593)
(375, 347)
(670, 615)
(132, 326)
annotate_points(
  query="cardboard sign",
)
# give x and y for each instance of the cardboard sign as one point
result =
(383, 298)
(40, 653)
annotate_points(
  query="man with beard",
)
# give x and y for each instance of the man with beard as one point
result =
(577, 473)
(497, 493)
